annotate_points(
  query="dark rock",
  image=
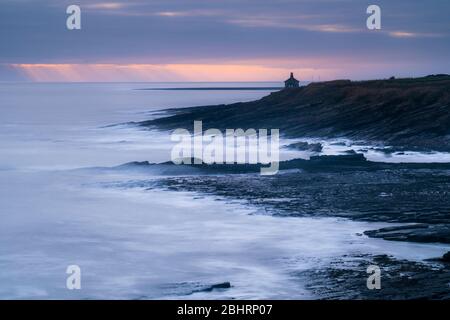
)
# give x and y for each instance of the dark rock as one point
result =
(415, 233)
(446, 257)
(305, 146)
(223, 285)
(345, 278)
(354, 190)
(134, 164)
(343, 144)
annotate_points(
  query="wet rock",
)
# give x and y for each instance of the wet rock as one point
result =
(223, 285)
(414, 233)
(189, 288)
(446, 257)
(346, 278)
(134, 164)
(343, 144)
(305, 146)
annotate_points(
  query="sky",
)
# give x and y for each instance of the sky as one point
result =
(227, 40)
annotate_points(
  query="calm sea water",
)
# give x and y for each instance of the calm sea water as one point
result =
(133, 243)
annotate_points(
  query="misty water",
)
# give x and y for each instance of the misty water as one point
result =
(134, 243)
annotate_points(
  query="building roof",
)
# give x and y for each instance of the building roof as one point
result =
(291, 80)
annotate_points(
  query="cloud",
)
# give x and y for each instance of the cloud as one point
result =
(207, 33)
(106, 5)
(270, 22)
(190, 13)
(274, 69)
(409, 34)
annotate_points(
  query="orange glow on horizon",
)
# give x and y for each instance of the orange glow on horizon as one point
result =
(166, 72)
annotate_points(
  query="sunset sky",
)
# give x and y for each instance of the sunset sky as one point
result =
(228, 40)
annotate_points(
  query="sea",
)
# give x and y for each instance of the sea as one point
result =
(60, 208)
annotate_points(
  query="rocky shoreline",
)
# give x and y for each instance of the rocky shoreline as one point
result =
(404, 114)
(399, 196)
(345, 278)
(416, 233)
(348, 186)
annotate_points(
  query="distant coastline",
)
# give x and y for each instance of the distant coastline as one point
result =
(214, 88)
(411, 113)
